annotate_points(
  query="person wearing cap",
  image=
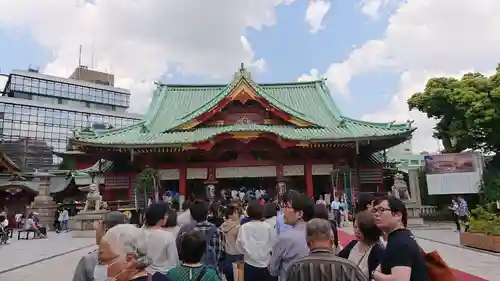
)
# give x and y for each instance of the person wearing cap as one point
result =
(85, 268)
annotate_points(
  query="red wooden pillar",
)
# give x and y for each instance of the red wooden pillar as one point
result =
(182, 180)
(309, 179)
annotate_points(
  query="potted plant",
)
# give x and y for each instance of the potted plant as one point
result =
(484, 231)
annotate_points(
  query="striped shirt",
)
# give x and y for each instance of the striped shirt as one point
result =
(323, 265)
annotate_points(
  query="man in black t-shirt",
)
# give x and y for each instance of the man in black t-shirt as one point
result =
(402, 260)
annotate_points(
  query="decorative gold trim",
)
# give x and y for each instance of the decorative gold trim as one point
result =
(245, 135)
(298, 122)
(303, 144)
(189, 125)
(188, 147)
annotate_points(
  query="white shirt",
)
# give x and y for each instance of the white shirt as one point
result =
(162, 250)
(255, 241)
(65, 215)
(257, 194)
(335, 205)
(234, 194)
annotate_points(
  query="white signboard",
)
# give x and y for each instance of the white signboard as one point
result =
(454, 173)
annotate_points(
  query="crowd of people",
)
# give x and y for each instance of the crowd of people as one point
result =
(27, 223)
(293, 240)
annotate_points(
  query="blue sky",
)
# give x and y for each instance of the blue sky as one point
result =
(288, 47)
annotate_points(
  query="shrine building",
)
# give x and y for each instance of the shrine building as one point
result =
(242, 134)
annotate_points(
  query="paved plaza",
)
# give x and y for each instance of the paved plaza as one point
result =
(471, 264)
(58, 255)
(22, 253)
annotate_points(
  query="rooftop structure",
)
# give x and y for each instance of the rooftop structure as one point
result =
(83, 73)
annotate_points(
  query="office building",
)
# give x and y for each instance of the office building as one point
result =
(38, 113)
(403, 155)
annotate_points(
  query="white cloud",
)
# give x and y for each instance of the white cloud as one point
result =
(397, 109)
(340, 74)
(313, 75)
(315, 13)
(260, 64)
(373, 8)
(425, 38)
(140, 40)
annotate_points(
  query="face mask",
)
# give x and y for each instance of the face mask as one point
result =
(101, 273)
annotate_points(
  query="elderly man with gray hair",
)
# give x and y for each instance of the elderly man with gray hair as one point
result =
(123, 256)
(85, 269)
(321, 263)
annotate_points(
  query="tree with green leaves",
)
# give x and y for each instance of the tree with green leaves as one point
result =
(147, 181)
(467, 111)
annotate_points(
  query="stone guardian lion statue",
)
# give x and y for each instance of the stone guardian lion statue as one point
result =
(400, 188)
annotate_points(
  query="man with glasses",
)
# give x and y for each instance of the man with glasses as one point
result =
(291, 245)
(403, 260)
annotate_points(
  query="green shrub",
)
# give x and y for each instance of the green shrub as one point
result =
(440, 215)
(483, 221)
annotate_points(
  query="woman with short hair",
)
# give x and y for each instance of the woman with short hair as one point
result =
(367, 250)
(230, 228)
(215, 214)
(123, 256)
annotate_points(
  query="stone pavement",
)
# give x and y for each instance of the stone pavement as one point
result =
(60, 268)
(445, 236)
(20, 253)
(471, 264)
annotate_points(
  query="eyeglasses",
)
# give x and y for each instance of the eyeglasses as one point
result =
(380, 210)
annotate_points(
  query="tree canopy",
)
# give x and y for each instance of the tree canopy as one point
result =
(467, 111)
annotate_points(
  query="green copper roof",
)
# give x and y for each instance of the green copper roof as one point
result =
(174, 105)
(101, 166)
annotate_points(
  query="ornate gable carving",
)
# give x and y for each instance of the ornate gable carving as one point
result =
(244, 93)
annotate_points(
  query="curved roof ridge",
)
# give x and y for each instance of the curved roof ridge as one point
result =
(222, 93)
(329, 102)
(153, 105)
(107, 132)
(369, 123)
(294, 83)
(282, 105)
